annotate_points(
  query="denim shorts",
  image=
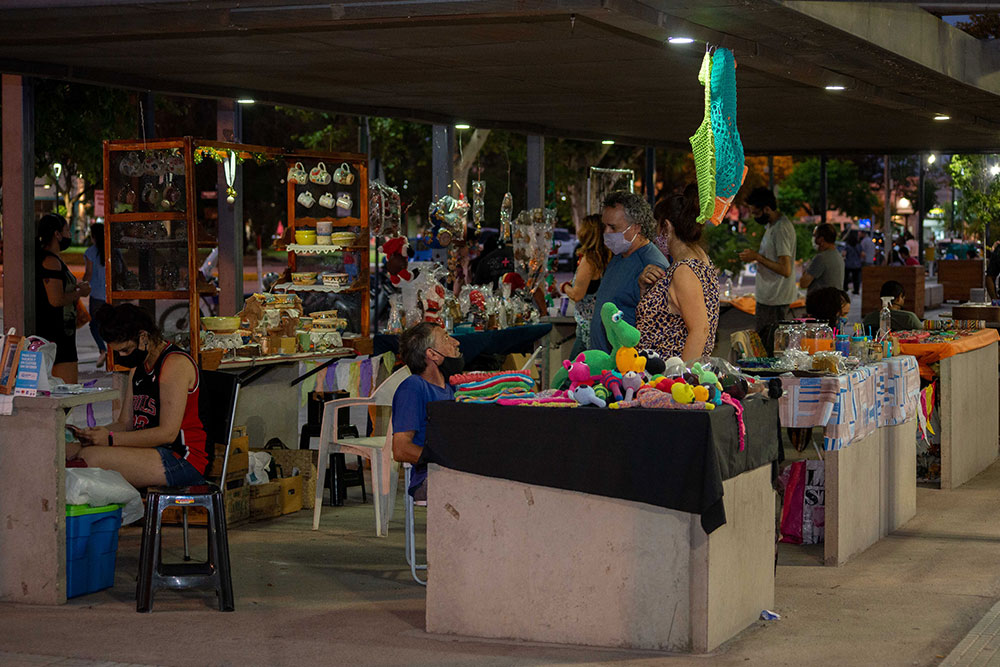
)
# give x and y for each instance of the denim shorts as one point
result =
(178, 471)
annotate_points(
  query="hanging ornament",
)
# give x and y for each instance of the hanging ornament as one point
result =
(478, 205)
(229, 165)
(506, 210)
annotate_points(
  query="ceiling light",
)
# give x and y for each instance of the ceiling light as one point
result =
(931, 159)
(836, 87)
(462, 126)
(608, 142)
(942, 116)
(680, 40)
(245, 100)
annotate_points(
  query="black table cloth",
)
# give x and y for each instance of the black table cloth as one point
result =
(496, 341)
(675, 459)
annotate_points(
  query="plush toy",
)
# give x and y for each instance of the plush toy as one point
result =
(579, 372)
(433, 301)
(674, 367)
(613, 383)
(736, 386)
(632, 382)
(704, 374)
(700, 393)
(585, 395)
(628, 359)
(664, 384)
(620, 334)
(682, 393)
(654, 362)
(396, 259)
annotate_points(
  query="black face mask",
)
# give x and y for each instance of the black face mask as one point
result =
(451, 366)
(133, 359)
(64, 243)
(762, 219)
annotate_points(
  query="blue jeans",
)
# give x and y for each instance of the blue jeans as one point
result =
(178, 471)
(95, 305)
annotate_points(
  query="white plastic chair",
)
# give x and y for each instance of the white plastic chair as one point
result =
(375, 448)
(411, 541)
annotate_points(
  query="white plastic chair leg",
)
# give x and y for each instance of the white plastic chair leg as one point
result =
(321, 466)
(377, 499)
(410, 530)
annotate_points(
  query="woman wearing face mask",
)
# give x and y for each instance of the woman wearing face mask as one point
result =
(678, 314)
(56, 296)
(158, 437)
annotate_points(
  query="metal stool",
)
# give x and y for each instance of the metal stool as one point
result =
(154, 574)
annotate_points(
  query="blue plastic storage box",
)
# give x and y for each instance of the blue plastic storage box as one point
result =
(91, 547)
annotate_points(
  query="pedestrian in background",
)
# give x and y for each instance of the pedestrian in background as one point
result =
(94, 275)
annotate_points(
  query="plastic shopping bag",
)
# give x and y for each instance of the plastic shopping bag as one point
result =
(803, 512)
(98, 487)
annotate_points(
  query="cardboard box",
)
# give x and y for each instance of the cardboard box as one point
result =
(265, 501)
(291, 494)
(305, 461)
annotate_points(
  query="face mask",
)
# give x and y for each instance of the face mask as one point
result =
(133, 359)
(616, 243)
(451, 365)
(842, 323)
(64, 243)
(762, 219)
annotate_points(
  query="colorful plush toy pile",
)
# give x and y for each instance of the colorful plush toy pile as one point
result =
(491, 386)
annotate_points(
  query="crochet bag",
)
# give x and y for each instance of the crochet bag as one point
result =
(703, 147)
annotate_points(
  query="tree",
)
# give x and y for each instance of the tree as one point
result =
(846, 190)
(978, 179)
(981, 26)
(71, 122)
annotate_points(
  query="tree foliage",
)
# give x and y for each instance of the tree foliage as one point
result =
(981, 26)
(846, 190)
(978, 179)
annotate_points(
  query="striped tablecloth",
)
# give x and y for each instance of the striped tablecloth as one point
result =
(851, 406)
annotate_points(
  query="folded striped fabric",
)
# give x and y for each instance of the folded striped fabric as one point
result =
(511, 392)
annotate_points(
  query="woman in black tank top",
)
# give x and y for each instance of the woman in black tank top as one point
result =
(56, 295)
(594, 257)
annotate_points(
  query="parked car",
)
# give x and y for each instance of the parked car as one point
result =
(566, 244)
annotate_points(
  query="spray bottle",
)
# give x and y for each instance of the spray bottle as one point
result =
(885, 319)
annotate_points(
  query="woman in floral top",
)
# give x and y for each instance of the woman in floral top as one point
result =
(678, 314)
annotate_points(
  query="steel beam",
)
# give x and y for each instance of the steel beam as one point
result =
(18, 102)
(229, 127)
(535, 195)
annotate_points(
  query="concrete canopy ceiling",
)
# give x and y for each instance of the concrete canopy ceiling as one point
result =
(588, 69)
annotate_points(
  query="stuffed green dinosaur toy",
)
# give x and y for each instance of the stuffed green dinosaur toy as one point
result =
(620, 334)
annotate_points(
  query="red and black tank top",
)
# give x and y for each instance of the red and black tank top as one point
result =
(190, 442)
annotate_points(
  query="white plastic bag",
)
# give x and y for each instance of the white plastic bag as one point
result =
(98, 487)
(260, 463)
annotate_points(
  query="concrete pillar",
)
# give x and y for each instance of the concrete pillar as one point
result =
(442, 159)
(887, 217)
(229, 127)
(535, 196)
(823, 190)
(18, 103)
(650, 179)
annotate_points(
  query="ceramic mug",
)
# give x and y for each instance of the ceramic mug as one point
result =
(306, 199)
(319, 175)
(323, 239)
(130, 165)
(175, 164)
(297, 174)
(153, 165)
(151, 195)
(326, 200)
(287, 344)
(343, 174)
(344, 202)
(304, 340)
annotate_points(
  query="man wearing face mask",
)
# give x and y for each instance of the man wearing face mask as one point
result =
(775, 287)
(158, 437)
(628, 227)
(432, 357)
(827, 267)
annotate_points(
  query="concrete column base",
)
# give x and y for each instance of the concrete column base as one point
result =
(969, 425)
(518, 561)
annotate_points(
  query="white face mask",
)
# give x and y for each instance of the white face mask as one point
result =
(616, 241)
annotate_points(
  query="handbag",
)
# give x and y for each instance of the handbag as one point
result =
(82, 316)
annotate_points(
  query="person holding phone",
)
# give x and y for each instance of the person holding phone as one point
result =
(158, 437)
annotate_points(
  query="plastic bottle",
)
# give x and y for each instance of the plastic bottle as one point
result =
(843, 344)
(885, 319)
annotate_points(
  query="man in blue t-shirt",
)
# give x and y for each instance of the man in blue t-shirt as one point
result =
(432, 357)
(628, 227)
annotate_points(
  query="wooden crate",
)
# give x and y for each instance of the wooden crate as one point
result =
(305, 461)
(958, 276)
(239, 460)
(265, 501)
(911, 277)
(237, 503)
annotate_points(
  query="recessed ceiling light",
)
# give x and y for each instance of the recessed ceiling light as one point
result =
(462, 126)
(608, 142)
(942, 116)
(245, 100)
(836, 87)
(680, 40)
